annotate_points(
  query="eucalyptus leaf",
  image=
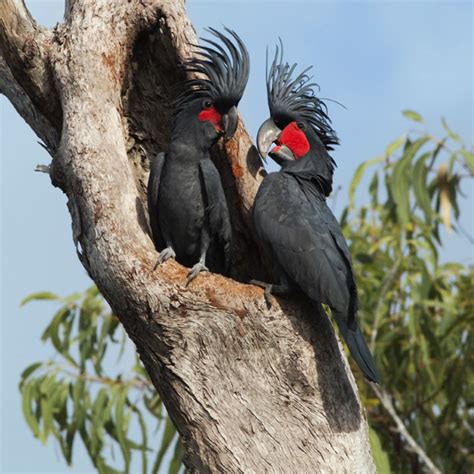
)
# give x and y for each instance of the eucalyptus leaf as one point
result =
(381, 459)
(358, 176)
(168, 436)
(120, 424)
(28, 413)
(469, 158)
(412, 115)
(420, 188)
(452, 135)
(43, 295)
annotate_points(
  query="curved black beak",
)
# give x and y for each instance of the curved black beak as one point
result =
(230, 121)
(267, 134)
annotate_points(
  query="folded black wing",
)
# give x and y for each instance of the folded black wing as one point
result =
(153, 189)
(217, 210)
(306, 240)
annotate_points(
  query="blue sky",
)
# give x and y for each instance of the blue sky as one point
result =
(377, 58)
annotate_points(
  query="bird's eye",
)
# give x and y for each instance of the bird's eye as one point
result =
(301, 125)
(207, 104)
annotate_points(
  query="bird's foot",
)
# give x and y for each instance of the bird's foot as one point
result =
(267, 293)
(198, 268)
(165, 254)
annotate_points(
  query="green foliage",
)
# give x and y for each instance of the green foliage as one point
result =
(87, 393)
(417, 313)
(381, 459)
(412, 115)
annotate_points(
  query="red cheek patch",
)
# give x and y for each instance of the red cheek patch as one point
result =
(213, 116)
(295, 139)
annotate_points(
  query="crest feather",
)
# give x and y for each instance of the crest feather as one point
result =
(223, 70)
(293, 95)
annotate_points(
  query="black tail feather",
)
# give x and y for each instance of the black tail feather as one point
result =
(358, 348)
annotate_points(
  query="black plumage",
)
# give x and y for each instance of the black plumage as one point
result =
(186, 202)
(291, 216)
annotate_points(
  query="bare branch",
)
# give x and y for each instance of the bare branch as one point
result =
(43, 169)
(23, 105)
(24, 46)
(408, 442)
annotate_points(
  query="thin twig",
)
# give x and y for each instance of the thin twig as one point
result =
(43, 169)
(409, 443)
(441, 143)
(138, 383)
(465, 233)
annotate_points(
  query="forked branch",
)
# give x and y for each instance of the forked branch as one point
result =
(25, 48)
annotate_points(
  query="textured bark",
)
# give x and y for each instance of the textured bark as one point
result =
(249, 389)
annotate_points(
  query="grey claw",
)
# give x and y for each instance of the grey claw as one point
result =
(268, 296)
(267, 287)
(198, 268)
(165, 254)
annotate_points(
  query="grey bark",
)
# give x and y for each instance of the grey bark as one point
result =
(249, 389)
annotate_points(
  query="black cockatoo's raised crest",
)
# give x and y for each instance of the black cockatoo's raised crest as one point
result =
(186, 202)
(224, 77)
(291, 217)
(299, 123)
(293, 98)
(221, 74)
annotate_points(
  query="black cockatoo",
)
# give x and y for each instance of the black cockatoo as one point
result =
(188, 210)
(291, 217)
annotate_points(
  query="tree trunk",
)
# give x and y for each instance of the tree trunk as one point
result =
(249, 389)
